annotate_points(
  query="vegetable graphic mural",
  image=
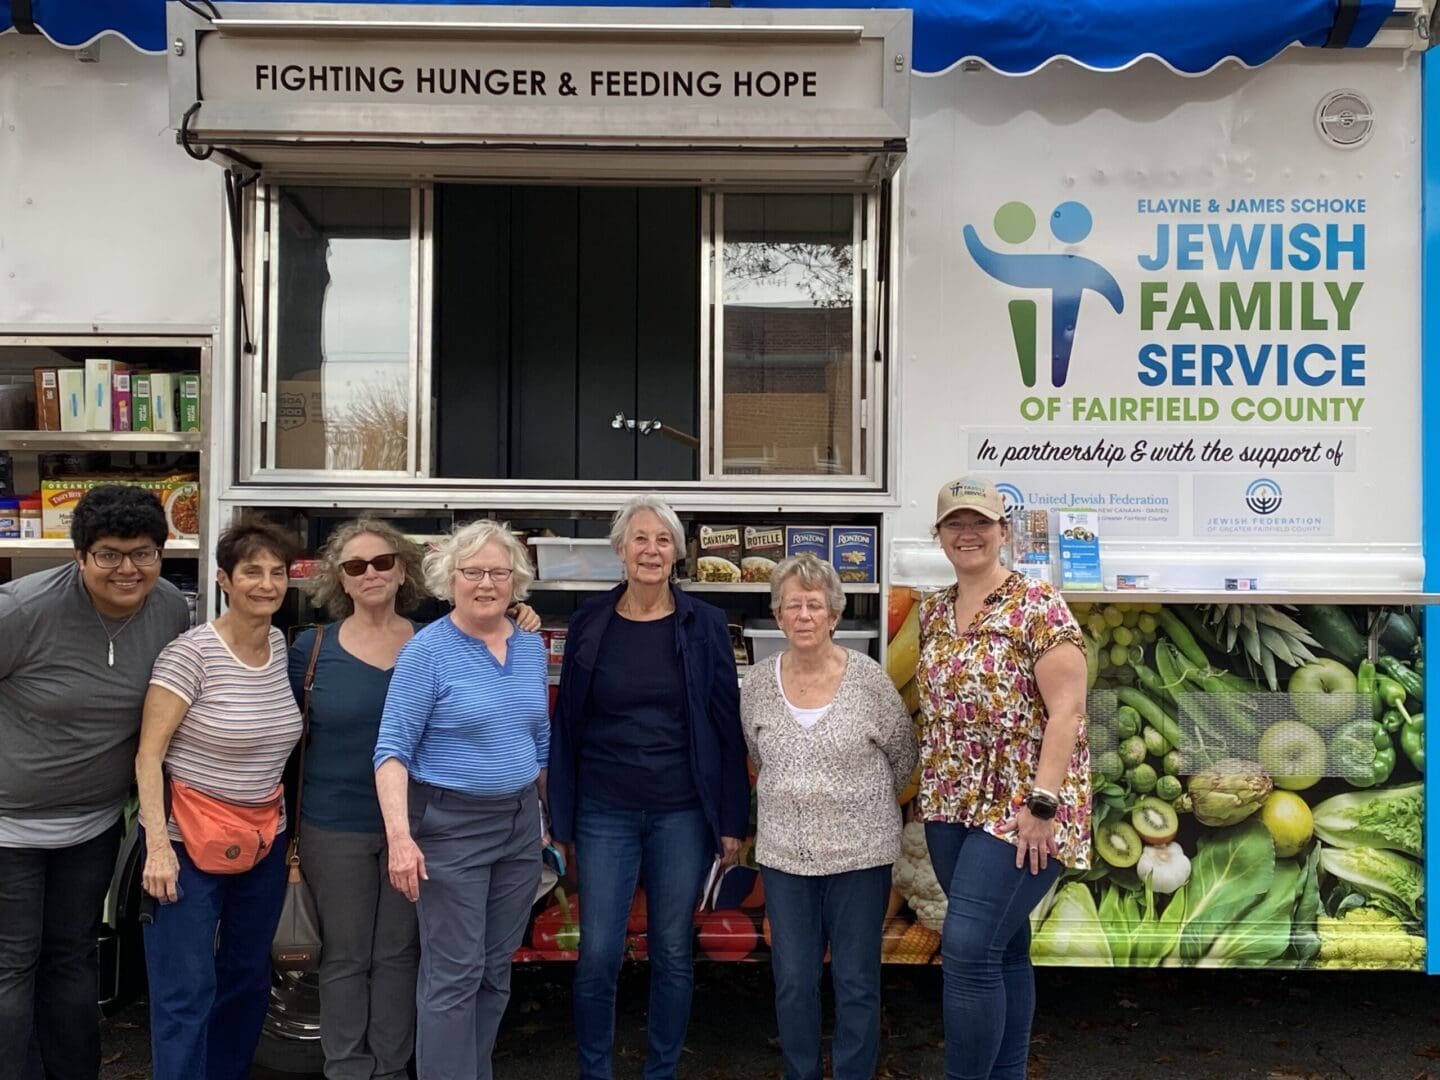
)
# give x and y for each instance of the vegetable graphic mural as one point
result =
(1258, 802)
(1257, 791)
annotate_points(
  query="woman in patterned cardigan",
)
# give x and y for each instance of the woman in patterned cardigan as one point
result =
(832, 746)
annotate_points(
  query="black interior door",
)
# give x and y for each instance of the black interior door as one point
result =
(558, 308)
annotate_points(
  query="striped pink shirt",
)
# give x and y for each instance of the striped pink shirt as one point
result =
(242, 722)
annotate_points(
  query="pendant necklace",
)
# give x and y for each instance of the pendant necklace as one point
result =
(109, 637)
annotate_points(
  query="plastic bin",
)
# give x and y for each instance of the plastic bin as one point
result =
(564, 558)
(767, 639)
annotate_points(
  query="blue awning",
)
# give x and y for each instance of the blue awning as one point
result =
(1014, 37)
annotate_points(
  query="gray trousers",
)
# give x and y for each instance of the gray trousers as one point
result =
(482, 858)
(370, 955)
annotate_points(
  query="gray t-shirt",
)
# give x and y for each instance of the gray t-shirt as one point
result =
(69, 723)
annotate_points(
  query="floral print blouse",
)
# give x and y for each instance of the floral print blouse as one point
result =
(982, 715)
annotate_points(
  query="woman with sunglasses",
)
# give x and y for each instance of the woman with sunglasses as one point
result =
(369, 579)
(460, 771)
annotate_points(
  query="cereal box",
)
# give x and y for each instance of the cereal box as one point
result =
(719, 554)
(764, 548)
(852, 553)
(808, 540)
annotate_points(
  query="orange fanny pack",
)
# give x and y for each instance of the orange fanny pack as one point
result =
(222, 837)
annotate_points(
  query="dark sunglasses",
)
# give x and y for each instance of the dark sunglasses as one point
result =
(356, 567)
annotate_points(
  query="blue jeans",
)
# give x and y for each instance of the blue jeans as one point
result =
(672, 850)
(209, 992)
(985, 948)
(847, 912)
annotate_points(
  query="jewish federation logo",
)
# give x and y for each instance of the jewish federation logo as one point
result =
(1067, 277)
(1263, 497)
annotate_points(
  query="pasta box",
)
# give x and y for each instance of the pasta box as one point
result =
(852, 553)
(808, 540)
(764, 548)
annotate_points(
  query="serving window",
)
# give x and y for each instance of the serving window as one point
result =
(551, 335)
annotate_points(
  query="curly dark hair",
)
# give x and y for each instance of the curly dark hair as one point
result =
(254, 536)
(121, 511)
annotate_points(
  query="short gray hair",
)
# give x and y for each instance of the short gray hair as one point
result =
(812, 574)
(620, 523)
(440, 562)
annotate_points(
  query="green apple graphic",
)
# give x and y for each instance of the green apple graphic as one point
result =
(1323, 693)
(1293, 754)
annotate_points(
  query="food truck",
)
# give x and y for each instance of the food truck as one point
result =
(1156, 268)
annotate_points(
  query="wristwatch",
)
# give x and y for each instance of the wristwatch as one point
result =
(1042, 805)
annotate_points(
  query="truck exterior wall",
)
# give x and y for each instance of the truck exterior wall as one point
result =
(103, 220)
(1149, 156)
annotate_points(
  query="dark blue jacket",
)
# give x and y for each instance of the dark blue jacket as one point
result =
(712, 695)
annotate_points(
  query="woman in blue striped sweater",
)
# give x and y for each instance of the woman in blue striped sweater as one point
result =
(459, 768)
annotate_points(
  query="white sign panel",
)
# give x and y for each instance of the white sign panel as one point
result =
(549, 73)
(1143, 273)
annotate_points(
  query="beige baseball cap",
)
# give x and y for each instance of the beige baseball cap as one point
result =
(969, 493)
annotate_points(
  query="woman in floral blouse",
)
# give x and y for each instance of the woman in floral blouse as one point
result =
(1004, 788)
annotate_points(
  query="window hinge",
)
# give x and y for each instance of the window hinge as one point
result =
(864, 414)
(264, 407)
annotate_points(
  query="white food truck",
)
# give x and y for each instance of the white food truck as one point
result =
(1156, 268)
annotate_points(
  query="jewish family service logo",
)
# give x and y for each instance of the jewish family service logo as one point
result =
(1065, 276)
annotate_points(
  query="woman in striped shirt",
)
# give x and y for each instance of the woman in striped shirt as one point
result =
(460, 771)
(218, 726)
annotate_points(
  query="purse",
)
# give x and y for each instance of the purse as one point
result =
(296, 946)
(223, 837)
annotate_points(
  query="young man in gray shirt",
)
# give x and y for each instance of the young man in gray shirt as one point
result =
(76, 647)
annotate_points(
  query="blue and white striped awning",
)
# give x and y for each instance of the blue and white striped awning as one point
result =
(1013, 36)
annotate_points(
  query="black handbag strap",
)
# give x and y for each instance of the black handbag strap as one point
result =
(304, 737)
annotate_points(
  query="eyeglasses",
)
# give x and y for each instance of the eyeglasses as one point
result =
(109, 559)
(499, 575)
(960, 525)
(356, 567)
(811, 607)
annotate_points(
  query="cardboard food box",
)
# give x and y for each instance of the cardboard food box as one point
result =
(141, 405)
(99, 372)
(808, 540)
(300, 436)
(852, 553)
(121, 412)
(719, 554)
(162, 401)
(764, 547)
(47, 399)
(180, 498)
(57, 505)
(72, 398)
(189, 411)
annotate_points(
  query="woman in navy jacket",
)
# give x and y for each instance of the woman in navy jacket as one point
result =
(647, 779)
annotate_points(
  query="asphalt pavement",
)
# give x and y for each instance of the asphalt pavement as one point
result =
(1089, 1025)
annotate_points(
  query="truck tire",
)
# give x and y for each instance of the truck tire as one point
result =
(290, 1039)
